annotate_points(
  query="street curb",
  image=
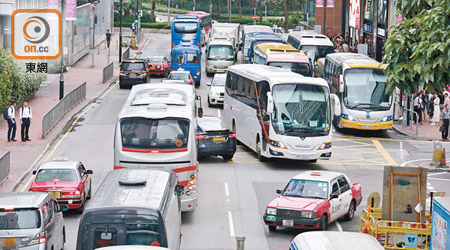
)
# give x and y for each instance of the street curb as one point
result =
(412, 136)
(33, 165)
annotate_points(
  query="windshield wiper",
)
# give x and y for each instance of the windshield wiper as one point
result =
(288, 131)
(361, 104)
(314, 197)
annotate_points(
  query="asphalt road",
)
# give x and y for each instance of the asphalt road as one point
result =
(234, 194)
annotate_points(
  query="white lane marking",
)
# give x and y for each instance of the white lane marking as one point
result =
(339, 227)
(230, 220)
(406, 162)
(430, 187)
(218, 113)
(438, 179)
(402, 155)
(227, 193)
(433, 174)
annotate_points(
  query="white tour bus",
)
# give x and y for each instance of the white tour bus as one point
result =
(156, 130)
(360, 83)
(278, 113)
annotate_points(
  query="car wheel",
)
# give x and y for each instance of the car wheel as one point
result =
(228, 157)
(208, 74)
(323, 222)
(90, 192)
(197, 84)
(258, 152)
(351, 211)
(121, 85)
(81, 209)
(64, 237)
(272, 228)
(313, 161)
(209, 103)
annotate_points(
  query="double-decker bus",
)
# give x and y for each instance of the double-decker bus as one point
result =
(205, 20)
(186, 30)
(156, 130)
(360, 83)
(278, 113)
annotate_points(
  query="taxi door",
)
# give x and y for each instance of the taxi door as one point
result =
(85, 181)
(335, 204)
(346, 195)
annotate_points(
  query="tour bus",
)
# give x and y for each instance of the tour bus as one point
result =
(186, 30)
(205, 20)
(283, 56)
(360, 83)
(188, 58)
(277, 113)
(255, 39)
(133, 207)
(314, 45)
(156, 130)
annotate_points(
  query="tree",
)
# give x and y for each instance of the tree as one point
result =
(417, 50)
(260, 10)
(240, 8)
(286, 16)
(152, 13)
(218, 8)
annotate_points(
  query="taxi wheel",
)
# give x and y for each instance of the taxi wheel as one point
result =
(90, 192)
(351, 212)
(323, 223)
(272, 228)
(81, 209)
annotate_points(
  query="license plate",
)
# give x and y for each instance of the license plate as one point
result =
(132, 75)
(9, 242)
(219, 139)
(57, 194)
(367, 126)
(288, 223)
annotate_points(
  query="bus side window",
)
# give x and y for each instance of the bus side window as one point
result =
(263, 88)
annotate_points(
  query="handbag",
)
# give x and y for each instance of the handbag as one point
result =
(441, 128)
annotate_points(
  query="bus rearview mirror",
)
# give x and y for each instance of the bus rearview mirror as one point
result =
(341, 83)
(335, 105)
(269, 103)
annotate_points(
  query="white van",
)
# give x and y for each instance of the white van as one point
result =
(133, 207)
(329, 240)
(314, 45)
(220, 55)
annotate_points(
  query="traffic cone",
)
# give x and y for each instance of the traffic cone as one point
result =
(443, 161)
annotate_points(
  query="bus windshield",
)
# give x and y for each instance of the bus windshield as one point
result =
(301, 110)
(300, 68)
(186, 27)
(319, 51)
(366, 89)
(148, 134)
(220, 53)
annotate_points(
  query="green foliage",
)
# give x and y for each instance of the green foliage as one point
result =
(417, 51)
(161, 25)
(15, 83)
(245, 20)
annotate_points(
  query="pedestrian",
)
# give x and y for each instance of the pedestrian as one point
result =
(25, 115)
(446, 99)
(108, 38)
(445, 122)
(436, 111)
(425, 101)
(418, 107)
(345, 46)
(274, 26)
(12, 122)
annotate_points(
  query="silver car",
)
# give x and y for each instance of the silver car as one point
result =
(216, 90)
(31, 221)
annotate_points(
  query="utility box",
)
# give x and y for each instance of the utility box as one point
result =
(440, 228)
(404, 188)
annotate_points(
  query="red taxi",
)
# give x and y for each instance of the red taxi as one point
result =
(182, 74)
(312, 200)
(68, 181)
(158, 65)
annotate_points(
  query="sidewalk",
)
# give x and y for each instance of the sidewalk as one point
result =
(425, 131)
(25, 154)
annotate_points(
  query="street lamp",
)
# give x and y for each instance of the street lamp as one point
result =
(61, 76)
(120, 32)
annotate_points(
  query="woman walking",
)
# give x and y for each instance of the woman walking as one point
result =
(437, 111)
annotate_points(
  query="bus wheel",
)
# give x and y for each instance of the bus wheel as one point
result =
(258, 152)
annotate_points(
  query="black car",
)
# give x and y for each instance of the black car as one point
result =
(213, 138)
(133, 71)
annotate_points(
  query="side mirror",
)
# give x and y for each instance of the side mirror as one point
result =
(269, 103)
(279, 191)
(34, 172)
(197, 97)
(200, 112)
(89, 172)
(334, 196)
(335, 105)
(266, 118)
(208, 84)
(341, 83)
(179, 190)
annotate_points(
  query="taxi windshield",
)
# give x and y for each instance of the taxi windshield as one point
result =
(306, 189)
(56, 175)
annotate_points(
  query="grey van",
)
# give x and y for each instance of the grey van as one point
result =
(133, 207)
(30, 221)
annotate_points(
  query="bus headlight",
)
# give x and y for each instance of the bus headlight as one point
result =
(348, 117)
(271, 211)
(325, 145)
(309, 214)
(277, 144)
(387, 118)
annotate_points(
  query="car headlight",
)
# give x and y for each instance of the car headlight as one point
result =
(309, 214)
(277, 144)
(271, 211)
(387, 118)
(348, 117)
(213, 93)
(325, 145)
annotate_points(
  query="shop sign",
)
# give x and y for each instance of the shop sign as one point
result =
(354, 13)
(381, 32)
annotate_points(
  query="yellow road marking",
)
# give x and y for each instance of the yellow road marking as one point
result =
(28, 183)
(383, 152)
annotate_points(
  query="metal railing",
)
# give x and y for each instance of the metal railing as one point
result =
(108, 72)
(55, 114)
(126, 54)
(5, 166)
(404, 117)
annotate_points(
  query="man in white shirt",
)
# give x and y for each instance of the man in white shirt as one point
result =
(25, 119)
(12, 122)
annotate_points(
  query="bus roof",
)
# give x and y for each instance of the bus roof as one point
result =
(330, 240)
(266, 37)
(198, 13)
(354, 60)
(187, 16)
(287, 57)
(132, 188)
(311, 38)
(257, 28)
(186, 48)
(276, 47)
(274, 75)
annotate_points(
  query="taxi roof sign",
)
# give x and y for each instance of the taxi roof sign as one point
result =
(60, 159)
(315, 173)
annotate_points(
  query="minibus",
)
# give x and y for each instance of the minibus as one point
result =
(220, 55)
(133, 207)
(314, 45)
(188, 58)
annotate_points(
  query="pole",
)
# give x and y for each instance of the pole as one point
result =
(61, 77)
(230, 11)
(120, 32)
(265, 10)
(168, 7)
(324, 16)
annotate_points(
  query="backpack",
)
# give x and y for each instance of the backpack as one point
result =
(5, 113)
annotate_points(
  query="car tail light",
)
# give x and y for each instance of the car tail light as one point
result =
(198, 44)
(40, 238)
(191, 185)
(75, 193)
(162, 66)
(173, 45)
(232, 135)
(121, 74)
(9, 209)
(202, 137)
